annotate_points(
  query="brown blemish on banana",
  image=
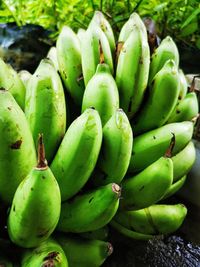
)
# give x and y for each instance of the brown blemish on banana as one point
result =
(17, 144)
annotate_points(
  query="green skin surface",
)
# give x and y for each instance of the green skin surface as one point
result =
(78, 153)
(165, 51)
(186, 109)
(49, 251)
(175, 187)
(35, 209)
(162, 99)
(101, 93)
(90, 52)
(152, 145)
(89, 211)
(69, 61)
(100, 21)
(17, 154)
(52, 55)
(45, 107)
(148, 186)
(10, 80)
(183, 161)
(154, 220)
(183, 84)
(116, 150)
(24, 75)
(84, 253)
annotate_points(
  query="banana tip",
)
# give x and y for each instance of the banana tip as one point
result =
(110, 249)
(116, 189)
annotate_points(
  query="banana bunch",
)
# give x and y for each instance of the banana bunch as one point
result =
(116, 123)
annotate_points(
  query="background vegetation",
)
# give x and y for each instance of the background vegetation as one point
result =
(180, 18)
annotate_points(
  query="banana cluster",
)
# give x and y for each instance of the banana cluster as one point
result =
(111, 125)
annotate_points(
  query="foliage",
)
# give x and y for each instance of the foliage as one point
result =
(179, 18)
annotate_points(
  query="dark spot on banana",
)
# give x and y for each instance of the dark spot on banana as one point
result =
(141, 188)
(141, 60)
(154, 137)
(16, 145)
(91, 199)
(31, 188)
(51, 255)
(179, 98)
(45, 232)
(9, 108)
(43, 177)
(48, 263)
(64, 74)
(14, 208)
(177, 111)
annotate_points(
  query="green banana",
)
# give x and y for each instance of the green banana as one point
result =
(95, 49)
(183, 84)
(132, 71)
(10, 80)
(148, 186)
(89, 211)
(25, 76)
(77, 155)
(45, 107)
(183, 161)
(186, 109)
(81, 34)
(101, 93)
(99, 20)
(52, 55)
(48, 254)
(162, 99)
(115, 151)
(152, 145)
(154, 220)
(69, 61)
(129, 233)
(36, 205)
(82, 252)
(17, 153)
(165, 51)
(99, 234)
(174, 187)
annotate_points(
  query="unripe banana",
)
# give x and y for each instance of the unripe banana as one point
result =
(99, 234)
(116, 150)
(183, 161)
(69, 61)
(36, 205)
(10, 80)
(148, 186)
(132, 71)
(99, 20)
(101, 93)
(186, 109)
(183, 84)
(81, 34)
(95, 49)
(48, 254)
(52, 55)
(175, 187)
(165, 51)
(162, 99)
(83, 252)
(17, 153)
(45, 107)
(90, 211)
(152, 145)
(154, 220)
(25, 76)
(77, 155)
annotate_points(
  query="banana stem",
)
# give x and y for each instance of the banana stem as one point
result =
(192, 87)
(42, 162)
(168, 153)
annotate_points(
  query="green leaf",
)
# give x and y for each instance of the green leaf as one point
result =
(190, 18)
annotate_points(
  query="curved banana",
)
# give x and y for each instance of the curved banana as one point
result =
(45, 108)
(162, 99)
(152, 145)
(116, 148)
(95, 49)
(148, 186)
(99, 20)
(90, 211)
(101, 93)
(69, 61)
(48, 253)
(175, 187)
(186, 109)
(10, 80)
(183, 161)
(77, 155)
(183, 84)
(132, 71)
(165, 51)
(99, 234)
(36, 205)
(17, 153)
(154, 220)
(52, 55)
(82, 252)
